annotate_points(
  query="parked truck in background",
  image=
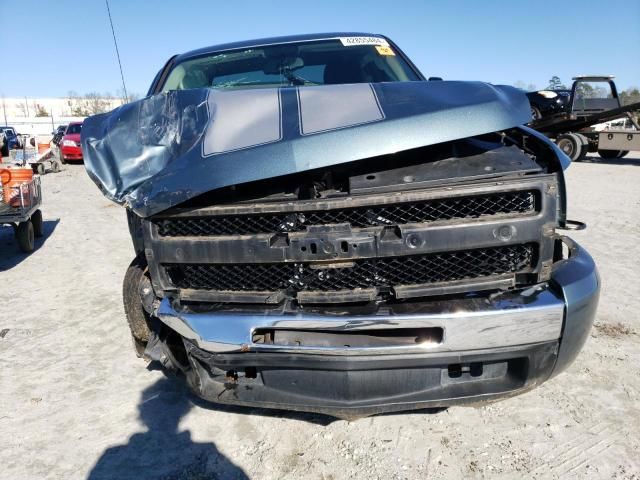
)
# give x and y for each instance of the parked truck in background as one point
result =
(576, 119)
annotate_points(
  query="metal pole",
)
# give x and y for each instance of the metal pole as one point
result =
(26, 104)
(124, 87)
(4, 109)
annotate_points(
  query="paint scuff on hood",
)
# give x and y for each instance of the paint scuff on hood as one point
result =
(166, 149)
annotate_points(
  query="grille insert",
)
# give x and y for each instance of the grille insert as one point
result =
(364, 273)
(396, 214)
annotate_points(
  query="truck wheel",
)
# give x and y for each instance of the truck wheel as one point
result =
(55, 166)
(535, 113)
(135, 279)
(25, 236)
(571, 145)
(36, 221)
(40, 169)
(584, 150)
(611, 154)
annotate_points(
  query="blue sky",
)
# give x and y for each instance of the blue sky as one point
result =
(63, 45)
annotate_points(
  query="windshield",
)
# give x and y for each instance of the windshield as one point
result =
(74, 128)
(304, 63)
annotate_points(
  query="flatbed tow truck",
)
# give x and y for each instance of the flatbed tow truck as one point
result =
(575, 130)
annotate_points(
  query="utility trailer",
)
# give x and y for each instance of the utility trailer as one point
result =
(577, 129)
(20, 208)
(37, 158)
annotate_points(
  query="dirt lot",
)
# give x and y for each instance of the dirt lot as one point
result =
(75, 402)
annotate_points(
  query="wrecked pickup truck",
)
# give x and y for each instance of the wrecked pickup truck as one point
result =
(319, 228)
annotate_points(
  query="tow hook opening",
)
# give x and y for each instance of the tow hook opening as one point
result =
(472, 369)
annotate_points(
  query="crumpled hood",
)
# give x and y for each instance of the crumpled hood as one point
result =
(163, 150)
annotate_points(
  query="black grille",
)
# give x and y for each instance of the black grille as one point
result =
(396, 214)
(364, 273)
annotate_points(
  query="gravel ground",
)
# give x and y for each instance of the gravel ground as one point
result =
(75, 402)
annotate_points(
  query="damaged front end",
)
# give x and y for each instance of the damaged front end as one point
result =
(348, 249)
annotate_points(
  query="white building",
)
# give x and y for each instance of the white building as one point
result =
(40, 116)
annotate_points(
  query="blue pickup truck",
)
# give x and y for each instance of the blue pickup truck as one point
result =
(319, 227)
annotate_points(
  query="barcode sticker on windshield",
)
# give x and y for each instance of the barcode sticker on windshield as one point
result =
(355, 41)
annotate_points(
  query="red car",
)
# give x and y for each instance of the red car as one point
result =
(70, 144)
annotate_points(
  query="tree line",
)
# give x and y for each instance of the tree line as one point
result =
(78, 105)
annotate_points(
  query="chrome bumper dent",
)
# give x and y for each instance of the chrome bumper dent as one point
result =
(525, 317)
(500, 324)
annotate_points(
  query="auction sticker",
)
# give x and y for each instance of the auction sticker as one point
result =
(382, 50)
(355, 41)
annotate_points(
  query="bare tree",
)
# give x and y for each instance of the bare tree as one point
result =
(22, 106)
(40, 111)
(131, 96)
(78, 109)
(76, 105)
(96, 103)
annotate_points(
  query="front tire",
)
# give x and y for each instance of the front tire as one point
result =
(135, 279)
(535, 113)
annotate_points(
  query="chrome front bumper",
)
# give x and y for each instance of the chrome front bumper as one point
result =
(495, 324)
(563, 307)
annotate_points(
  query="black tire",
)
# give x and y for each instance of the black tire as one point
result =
(55, 166)
(611, 154)
(584, 149)
(137, 317)
(36, 221)
(570, 144)
(535, 113)
(25, 236)
(40, 169)
(5, 150)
